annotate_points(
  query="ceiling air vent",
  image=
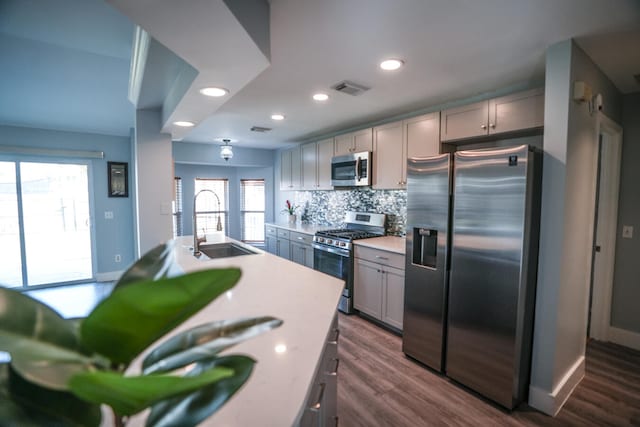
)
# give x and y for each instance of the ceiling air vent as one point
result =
(350, 88)
(259, 129)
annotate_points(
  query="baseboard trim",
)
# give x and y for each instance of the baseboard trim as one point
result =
(551, 403)
(110, 276)
(624, 337)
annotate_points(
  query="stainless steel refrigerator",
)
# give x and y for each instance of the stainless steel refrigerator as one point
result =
(472, 244)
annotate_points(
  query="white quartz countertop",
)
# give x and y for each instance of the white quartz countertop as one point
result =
(300, 228)
(304, 299)
(386, 243)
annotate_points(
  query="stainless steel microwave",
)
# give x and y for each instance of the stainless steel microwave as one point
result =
(351, 170)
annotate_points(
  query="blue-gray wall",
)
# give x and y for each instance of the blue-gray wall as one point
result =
(112, 236)
(626, 281)
(189, 173)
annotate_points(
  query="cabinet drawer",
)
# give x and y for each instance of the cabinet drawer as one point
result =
(270, 230)
(284, 234)
(294, 236)
(381, 257)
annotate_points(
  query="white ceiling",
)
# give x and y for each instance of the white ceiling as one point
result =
(69, 61)
(453, 49)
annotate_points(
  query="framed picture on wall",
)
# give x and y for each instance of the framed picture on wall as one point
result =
(118, 179)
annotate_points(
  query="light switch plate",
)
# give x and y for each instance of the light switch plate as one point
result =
(108, 215)
(627, 231)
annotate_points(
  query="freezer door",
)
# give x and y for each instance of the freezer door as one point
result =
(428, 196)
(485, 285)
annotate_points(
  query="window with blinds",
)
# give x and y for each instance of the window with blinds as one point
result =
(210, 208)
(177, 207)
(252, 209)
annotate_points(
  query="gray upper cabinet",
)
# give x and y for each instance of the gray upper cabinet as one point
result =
(464, 122)
(515, 112)
(524, 110)
(316, 165)
(290, 170)
(354, 142)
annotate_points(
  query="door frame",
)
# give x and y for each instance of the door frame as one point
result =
(607, 226)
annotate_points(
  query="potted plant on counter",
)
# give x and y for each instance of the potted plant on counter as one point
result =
(291, 210)
(62, 370)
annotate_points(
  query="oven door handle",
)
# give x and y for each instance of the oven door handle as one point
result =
(337, 251)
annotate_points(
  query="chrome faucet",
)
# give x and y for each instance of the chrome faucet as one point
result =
(196, 241)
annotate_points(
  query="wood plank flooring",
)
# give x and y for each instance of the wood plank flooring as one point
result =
(379, 386)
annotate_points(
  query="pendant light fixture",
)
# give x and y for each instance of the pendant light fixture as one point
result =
(226, 151)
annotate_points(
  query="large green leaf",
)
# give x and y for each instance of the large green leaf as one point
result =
(204, 342)
(135, 316)
(25, 404)
(130, 395)
(155, 265)
(44, 347)
(190, 410)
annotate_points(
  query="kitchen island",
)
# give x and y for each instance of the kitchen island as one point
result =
(288, 357)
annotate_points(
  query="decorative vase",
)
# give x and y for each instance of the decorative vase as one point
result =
(292, 219)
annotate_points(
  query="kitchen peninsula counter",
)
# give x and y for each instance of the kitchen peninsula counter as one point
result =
(304, 299)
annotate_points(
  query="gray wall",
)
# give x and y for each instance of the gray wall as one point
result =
(189, 173)
(112, 236)
(626, 282)
(566, 235)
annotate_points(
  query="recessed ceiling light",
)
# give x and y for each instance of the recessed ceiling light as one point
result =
(214, 91)
(391, 64)
(320, 97)
(184, 124)
(277, 117)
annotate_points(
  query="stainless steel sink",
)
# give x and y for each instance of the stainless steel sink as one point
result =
(225, 250)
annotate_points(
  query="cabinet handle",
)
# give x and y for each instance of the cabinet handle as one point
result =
(381, 257)
(316, 406)
(483, 126)
(492, 125)
(335, 339)
(300, 238)
(335, 369)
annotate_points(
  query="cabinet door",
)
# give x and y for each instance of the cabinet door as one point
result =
(367, 288)
(285, 170)
(296, 168)
(308, 256)
(309, 154)
(271, 245)
(388, 156)
(422, 134)
(524, 110)
(325, 153)
(393, 297)
(343, 144)
(282, 248)
(363, 140)
(298, 253)
(464, 122)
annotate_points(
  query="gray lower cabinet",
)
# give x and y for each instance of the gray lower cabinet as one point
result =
(321, 408)
(291, 245)
(379, 285)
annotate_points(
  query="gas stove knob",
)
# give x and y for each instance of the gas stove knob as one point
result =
(321, 239)
(343, 244)
(329, 242)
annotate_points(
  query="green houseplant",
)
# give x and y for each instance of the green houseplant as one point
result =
(62, 370)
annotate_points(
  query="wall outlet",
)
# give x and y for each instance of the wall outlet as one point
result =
(118, 258)
(108, 215)
(627, 231)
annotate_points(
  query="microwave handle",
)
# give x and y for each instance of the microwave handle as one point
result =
(358, 168)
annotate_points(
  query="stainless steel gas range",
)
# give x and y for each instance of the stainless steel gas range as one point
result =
(333, 250)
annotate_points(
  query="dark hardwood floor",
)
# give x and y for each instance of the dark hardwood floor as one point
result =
(379, 386)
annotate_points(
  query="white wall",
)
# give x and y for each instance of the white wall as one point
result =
(566, 235)
(153, 180)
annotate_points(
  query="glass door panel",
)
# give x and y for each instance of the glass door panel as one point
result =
(57, 229)
(11, 264)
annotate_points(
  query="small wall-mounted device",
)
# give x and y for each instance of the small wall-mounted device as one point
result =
(581, 92)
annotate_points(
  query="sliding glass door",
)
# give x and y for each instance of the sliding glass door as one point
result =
(45, 223)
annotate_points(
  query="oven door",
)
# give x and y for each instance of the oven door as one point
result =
(337, 263)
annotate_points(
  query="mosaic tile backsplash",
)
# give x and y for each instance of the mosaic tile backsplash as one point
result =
(329, 207)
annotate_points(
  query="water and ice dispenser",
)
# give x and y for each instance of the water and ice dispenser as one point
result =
(425, 247)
